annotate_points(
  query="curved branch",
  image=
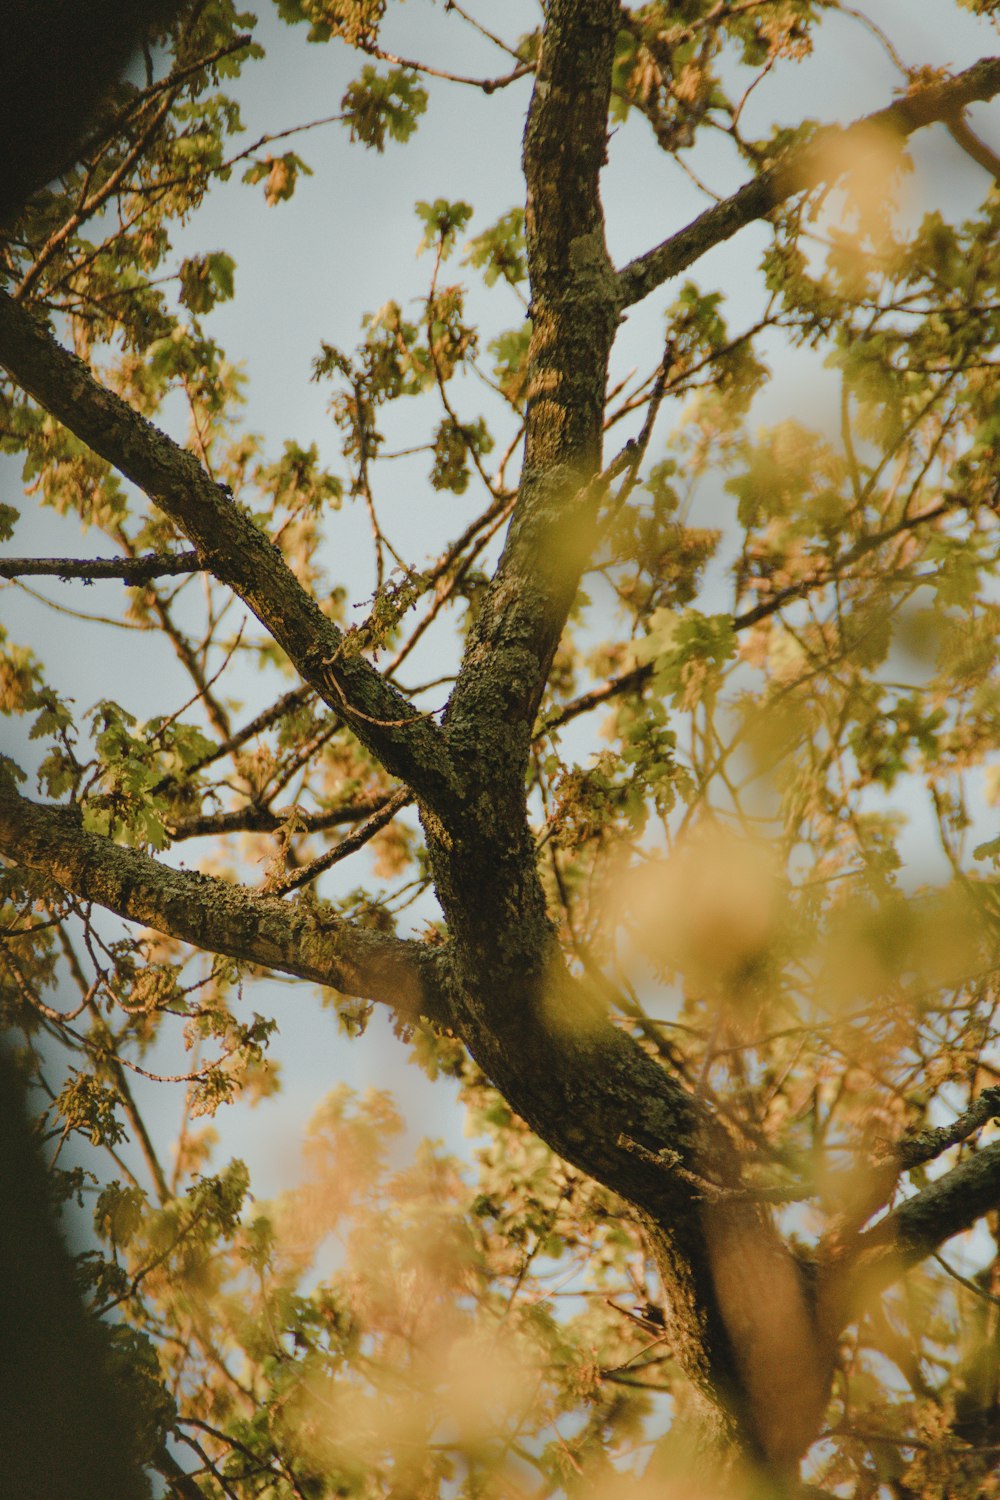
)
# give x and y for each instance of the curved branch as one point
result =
(824, 159)
(218, 916)
(983, 155)
(409, 744)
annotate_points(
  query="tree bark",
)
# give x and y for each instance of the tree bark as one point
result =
(536, 1031)
(218, 916)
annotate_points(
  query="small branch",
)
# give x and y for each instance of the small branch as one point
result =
(970, 1286)
(490, 36)
(107, 129)
(625, 683)
(133, 571)
(253, 819)
(898, 1440)
(630, 1380)
(349, 845)
(963, 136)
(914, 1150)
(92, 203)
(704, 1188)
(824, 159)
(191, 658)
(488, 85)
(121, 1080)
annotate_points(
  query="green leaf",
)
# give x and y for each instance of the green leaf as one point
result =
(119, 1212)
(442, 222)
(8, 520)
(501, 251)
(989, 850)
(91, 1108)
(377, 105)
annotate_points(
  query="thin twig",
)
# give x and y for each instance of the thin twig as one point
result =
(348, 845)
(257, 819)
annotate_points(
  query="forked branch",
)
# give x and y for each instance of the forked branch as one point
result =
(409, 744)
(913, 1230)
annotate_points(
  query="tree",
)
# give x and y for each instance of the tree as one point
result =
(730, 1062)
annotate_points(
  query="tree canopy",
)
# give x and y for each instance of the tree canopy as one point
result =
(655, 803)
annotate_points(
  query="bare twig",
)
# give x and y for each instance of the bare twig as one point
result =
(255, 819)
(963, 136)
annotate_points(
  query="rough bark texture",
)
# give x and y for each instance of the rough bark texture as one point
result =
(218, 916)
(132, 570)
(741, 1309)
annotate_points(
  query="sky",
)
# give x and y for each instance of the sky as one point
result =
(307, 270)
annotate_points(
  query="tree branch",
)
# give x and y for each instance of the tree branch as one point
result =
(944, 1208)
(220, 917)
(409, 744)
(625, 683)
(574, 316)
(824, 159)
(927, 1145)
(347, 846)
(131, 570)
(253, 819)
(909, 1233)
